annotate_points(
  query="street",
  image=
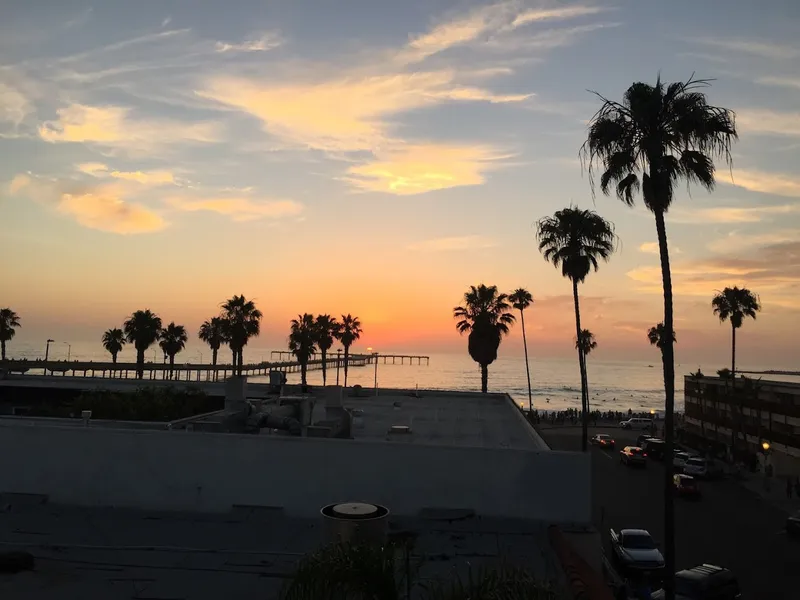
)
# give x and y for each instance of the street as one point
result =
(729, 526)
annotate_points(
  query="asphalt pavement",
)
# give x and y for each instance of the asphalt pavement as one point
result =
(729, 526)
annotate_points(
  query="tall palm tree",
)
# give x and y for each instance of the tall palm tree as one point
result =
(243, 321)
(9, 322)
(658, 334)
(657, 136)
(302, 342)
(172, 340)
(585, 343)
(576, 240)
(349, 331)
(214, 333)
(486, 315)
(522, 299)
(113, 341)
(734, 304)
(142, 329)
(327, 328)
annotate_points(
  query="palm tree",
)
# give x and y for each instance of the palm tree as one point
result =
(522, 299)
(214, 333)
(657, 136)
(302, 342)
(142, 329)
(113, 341)
(349, 331)
(172, 340)
(486, 315)
(9, 322)
(575, 239)
(327, 328)
(243, 321)
(734, 304)
(585, 343)
(657, 335)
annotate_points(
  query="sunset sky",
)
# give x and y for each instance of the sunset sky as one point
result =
(377, 158)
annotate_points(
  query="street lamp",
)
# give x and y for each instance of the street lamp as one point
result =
(375, 360)
(69, 350)
(338, 360)
(201, 356)
(765, 446)
(47, 353)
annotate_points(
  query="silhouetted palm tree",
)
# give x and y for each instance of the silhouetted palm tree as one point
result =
(327, 328)
(585, 344)
(113, 341)
(734, 304)
(663, 134)
(485, 315)
(243, 321)
(302, 342)
(214, 333)
(9, 322)
(172, 340)
(142, 329)
(575, 240)
(522, 299)
(658, 333)
(349, 331)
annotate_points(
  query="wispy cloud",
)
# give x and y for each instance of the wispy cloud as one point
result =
(114, 126)
(95, 207)
(14, 105)
(753, 47)
(790, 82)
(265, 42)
(238, 208)
(769, 121)
(419, 168)
(779, 184)
(736, 241)
(448, 244)
(154, 178)
(731, 214)
(652, 248)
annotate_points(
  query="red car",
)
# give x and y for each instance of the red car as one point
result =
(603, 440)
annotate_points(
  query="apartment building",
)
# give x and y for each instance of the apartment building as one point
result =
(751, 412)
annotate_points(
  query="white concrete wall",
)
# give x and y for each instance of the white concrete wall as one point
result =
(212, 472)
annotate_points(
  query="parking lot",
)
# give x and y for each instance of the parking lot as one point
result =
(729, 526)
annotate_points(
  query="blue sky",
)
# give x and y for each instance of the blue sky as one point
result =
(377, 158)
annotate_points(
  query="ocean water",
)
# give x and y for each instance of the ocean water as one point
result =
(555, 383)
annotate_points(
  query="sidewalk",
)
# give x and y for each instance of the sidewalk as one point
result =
(775, 495)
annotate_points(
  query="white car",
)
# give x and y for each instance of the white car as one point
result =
(679, 460)
(637, 423)
(696, 467)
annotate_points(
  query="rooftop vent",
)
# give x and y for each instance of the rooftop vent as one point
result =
(355, 522)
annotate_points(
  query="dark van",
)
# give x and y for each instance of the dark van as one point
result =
(655, 448)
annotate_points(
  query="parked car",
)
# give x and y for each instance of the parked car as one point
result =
(679, 460)
(640, 441)
(654, 448)
(696, 466)
(704, 582)
(686, 485)
(793, 524)
(634, 549)
(637, 423)
(632, 456)
(603, 440)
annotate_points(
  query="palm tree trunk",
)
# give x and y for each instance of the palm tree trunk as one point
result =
(114, 358)
(484, 378)
(171, 365)
(668, 360)
(214, 361)
(140, 363)
(233, 361)
(303, 372)
(582, 367)
(346, 354)
(324, 367)
(733, 353)
(2, 349)
(527, 367)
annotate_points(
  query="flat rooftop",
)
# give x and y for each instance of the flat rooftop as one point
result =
(110, 554)
(451, 419)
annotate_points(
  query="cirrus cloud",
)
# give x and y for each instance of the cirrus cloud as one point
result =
(238, 208)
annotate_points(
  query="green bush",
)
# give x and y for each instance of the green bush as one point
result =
(145, 404)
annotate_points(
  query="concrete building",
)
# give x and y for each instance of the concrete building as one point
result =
(188, 509)
(751, 413)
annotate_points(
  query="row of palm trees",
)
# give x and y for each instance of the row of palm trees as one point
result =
(308, 334)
